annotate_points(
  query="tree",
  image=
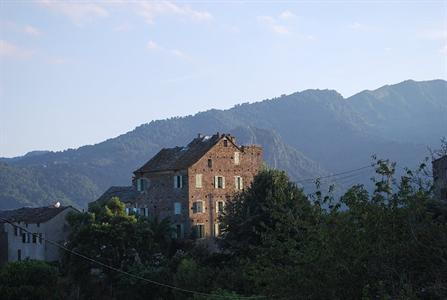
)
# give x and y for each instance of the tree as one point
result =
(28, 279)
(112, 237)
(264, 229)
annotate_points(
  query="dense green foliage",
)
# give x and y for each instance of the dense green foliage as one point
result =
(307, 134)
(276, 243)
(28, 280)
(385, 245)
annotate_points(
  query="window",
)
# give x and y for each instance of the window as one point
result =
(236, 158)
(127, 210)
(40, 238)
(216, 229)
(143, 211)
(19, 255)
(24, 238)
(225, 142)
(38, 224)
(238, 183)
(141, 184)
(178, 181)
(220, 207)
(177, 208)
(219, 182)
(179, 231)
(197, 207)
(198, 180)
(15, 231)
(210, 163)
(34, 238)
(29, 238)
(200, 231)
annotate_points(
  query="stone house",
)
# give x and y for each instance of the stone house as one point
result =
(440, 177)
(191, 184)
(44, 222)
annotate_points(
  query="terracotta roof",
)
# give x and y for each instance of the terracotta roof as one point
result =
(180, 158)
(32, 214)
(125, 193)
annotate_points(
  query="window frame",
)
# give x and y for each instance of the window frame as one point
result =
(216, 182)
(216, 229)
(218, 210)
(202, 231)
(237, 158)
(202, 206)
(238, 183)
(177, 208)
(178, 181)
(199, 181)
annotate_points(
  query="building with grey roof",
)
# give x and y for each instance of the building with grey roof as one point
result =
(41, 223)
(190, 185)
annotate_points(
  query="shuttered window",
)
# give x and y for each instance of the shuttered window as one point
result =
(200, 231)
(197, 207)
(216, 229)
(178, 181)
(220, 207)
(238, 183)
(177, 208)
(236, 158)
(198, 180)
(219, 182)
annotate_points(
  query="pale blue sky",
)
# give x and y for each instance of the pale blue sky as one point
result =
(75, 73)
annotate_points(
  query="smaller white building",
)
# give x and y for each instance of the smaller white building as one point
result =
(41, 222)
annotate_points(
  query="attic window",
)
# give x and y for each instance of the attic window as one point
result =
(210, 163)
(141, 184)
(225, 142)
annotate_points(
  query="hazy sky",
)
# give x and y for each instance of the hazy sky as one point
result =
(75, 73)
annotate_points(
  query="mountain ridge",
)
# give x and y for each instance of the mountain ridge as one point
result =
(315, 128)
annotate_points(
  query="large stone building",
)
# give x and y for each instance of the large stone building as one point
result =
(42, 223)
(440, 177)
(191, 184)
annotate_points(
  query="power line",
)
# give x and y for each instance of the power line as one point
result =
(127, 273)
(334, 175)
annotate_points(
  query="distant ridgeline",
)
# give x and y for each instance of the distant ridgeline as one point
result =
(308, 134)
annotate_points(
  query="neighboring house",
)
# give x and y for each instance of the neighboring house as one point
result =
(191, 184)
(440, 177)
(46, 222)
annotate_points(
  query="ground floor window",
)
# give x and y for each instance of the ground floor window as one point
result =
(179, 231)
(216, 229)
(200, 231)
(19, 255)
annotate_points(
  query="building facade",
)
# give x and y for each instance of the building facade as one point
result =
(440, 177)
(191, 184)
(42, 223)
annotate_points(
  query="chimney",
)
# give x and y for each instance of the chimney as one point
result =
(199, 135)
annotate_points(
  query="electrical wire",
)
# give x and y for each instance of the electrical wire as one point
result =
(127, 273)
(334, 175)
